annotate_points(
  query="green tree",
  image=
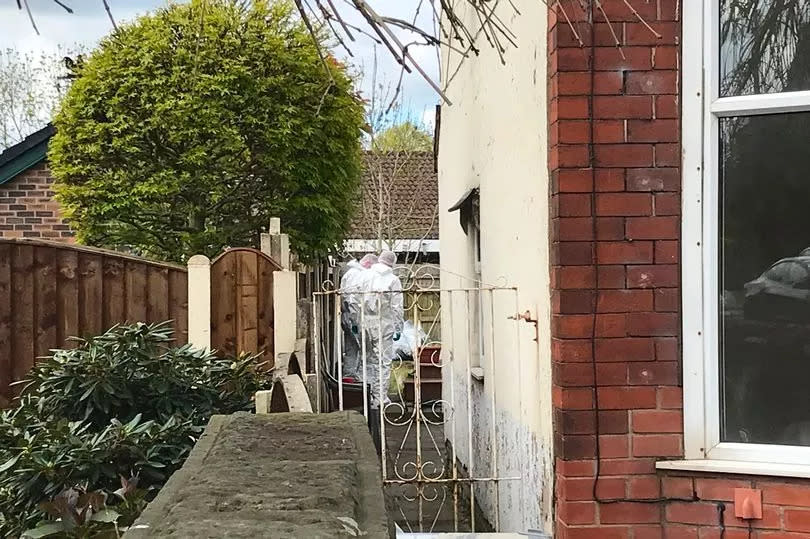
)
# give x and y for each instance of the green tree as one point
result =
(185, 131)
(404, 137)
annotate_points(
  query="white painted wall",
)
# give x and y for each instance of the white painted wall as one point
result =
(494, 136)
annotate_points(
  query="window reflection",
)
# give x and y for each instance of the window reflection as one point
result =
(765, 279)
(764, 46)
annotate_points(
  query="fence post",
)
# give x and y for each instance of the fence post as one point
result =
(285, 312)
(275, 244)
(199, 301)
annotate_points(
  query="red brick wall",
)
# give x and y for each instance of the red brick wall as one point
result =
(614, 159)
(28, 209)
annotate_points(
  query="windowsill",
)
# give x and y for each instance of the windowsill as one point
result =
(477, 373)
(735, 467)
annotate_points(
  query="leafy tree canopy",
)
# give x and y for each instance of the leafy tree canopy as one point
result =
(188, 129)
(404, 137)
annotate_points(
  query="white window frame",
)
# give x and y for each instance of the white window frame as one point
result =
(702, 109)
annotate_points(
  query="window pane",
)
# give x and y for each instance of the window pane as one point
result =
(764, 46)
(764, 269)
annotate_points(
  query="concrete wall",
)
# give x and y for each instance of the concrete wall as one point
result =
(494, 137)
(278, 475)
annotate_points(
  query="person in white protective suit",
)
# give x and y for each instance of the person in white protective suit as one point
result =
(350, 312)
(383, 320)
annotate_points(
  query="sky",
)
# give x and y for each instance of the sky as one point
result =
(89, 23)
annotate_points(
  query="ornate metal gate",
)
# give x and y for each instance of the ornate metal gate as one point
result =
(437, 429)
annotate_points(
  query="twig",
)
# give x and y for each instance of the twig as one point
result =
(570, 24)
(30, 16)
(109, 14)
(610, 26)
(641, 19)
(63, 6)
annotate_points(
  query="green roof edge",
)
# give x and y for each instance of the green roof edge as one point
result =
(23, 162)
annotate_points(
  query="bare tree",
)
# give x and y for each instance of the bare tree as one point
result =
(30, 89)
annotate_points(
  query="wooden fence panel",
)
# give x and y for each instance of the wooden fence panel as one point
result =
(50, 292)
(242, 303)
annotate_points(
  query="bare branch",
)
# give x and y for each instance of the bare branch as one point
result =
(109, 14)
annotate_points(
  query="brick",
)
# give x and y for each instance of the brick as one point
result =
(667, 252)
(572, 301)
(653, 276)
(625, 349)
(614, 446)
(657, 445)
(667, 299)
(628, 58)
(577, 512)
(575, 180)
(771, 517)
(575, 421)
(610, 277)
(604, 532)
(624, 155)
(623, 204)
(624, 252)
(653, 179)
(652, 324)
(608, 82)
(573, 83)
(648, 532)
(666, 349)
(577, 277)
(652, 131)
(720, 533)
(620, 301)
(610, 228)
(609, 179)
(653, 373)
(572, 59)
(780, 535)
(608, 131)
(617, 11)
(572, 107)
(658, 421)
(572, 326)
(575, 229)
(624, 398)
(571, 350)
(785, 494)
(577, 399)
(650, 228)
(574, 132)
(644, 487)
(573, 374)
(677, 487)
(573, 253)
(667, 155)
(628, 466)
(667, 204)
(576, 468)
(611, 374)
(706, 514)
(613, 421)
(611, 325)
(670, 397)
(675, 531)
(577, 446)
(636, 33)
(574, 205)
(666, 106)
(651, 82)
(622, 107)
(571, 155)
(629, 513)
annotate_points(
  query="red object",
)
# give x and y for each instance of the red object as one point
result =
(349, 380)
(748, 503)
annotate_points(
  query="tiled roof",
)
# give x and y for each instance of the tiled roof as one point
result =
(404, 186)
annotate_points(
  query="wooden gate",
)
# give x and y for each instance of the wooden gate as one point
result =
(50, 292)
(242, 303)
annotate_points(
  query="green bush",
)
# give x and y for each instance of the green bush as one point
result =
(120, 405)
(189, 128)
